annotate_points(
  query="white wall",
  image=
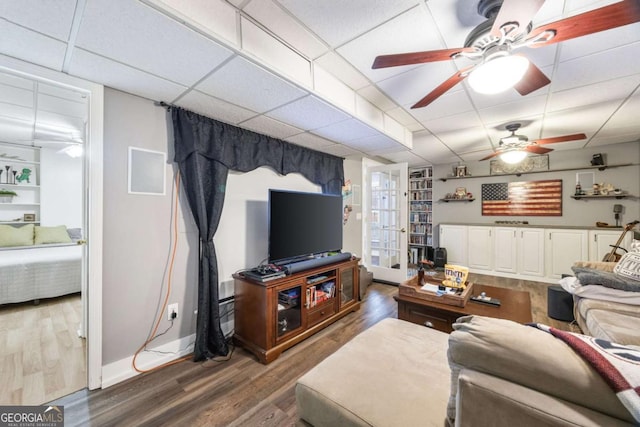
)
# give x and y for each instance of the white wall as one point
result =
(60, 189)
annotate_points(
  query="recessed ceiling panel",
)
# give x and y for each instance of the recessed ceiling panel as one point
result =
(308, 113)
(137, 35)
(271, 127)
(346, 130)
(30, 46)
(52, 18)
(410, 32)
(118, 76)
(338, 21)
(243, 83)
(214, 108)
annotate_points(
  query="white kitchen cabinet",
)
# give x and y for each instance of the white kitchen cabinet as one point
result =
(505, 250)
(480, 253)
(600, 242)
(531, 251)
(563, 248)
(454, 239)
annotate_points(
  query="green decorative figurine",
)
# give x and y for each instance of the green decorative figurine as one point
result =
(24, 176)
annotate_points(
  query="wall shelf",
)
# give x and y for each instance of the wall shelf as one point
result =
(608, 196)
(466, 199)
(599, 167)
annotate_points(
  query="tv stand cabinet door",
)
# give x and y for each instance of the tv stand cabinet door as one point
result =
(349, 280)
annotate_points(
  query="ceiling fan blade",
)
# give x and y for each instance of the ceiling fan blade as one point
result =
(605, 18)
(445, 86)
(532, 80)
(574, 137)
(384, 61)
(516, 11)
(537, 150)
(490, 156)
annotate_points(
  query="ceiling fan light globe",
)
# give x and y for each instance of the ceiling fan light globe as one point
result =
(498, 74)
(513, 156)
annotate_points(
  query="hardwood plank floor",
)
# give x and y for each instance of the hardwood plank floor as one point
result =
(240, 391)
(41, 356)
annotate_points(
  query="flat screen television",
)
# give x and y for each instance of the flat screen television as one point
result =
(303, 225)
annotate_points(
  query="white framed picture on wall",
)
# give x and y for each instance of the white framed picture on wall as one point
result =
(147, 171)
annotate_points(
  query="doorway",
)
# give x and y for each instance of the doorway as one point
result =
(57, 117)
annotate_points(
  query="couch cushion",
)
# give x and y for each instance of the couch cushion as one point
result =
(394, 373)
(611, 321)
(532, 358)
(590, 276)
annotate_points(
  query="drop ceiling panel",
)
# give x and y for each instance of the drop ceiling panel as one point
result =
(610, 130)
(452, 102)
(310, 140)
(585, 120)
(271, 127)
(375, 143)
(346, 130)
(474, 156)
(617, 89)
(377, 98)
(456, 19)
(273, 16)
(627, 113)
(426, 144)
(465, 140)
(606, 140)
(369, 113)
(308, 113)
(405, 156)
(457, 121)
(243, 83)
(408, 88)
(118, 76)
(510, 111)
(412, 31)
(531, 127)
(340, 150)
(141, 37)
(333, 90)
(30, 46)
(215, 108)
(403, 117)
(338, 66)
(347, 19)
(52, 18)
(598, 42)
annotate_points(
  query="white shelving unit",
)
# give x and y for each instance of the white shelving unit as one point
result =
(420, 213)
(17, 157)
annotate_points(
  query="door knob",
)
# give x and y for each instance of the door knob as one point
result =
(403, 230)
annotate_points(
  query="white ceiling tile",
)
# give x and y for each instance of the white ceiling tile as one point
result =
(402, 116)
(214, 108)
(369, 113)
(394, 129)
(333, 90)
(404, 157)
(544, 56)
(452, 102)
(456, 121)
(142, 37)
(275, 54)
(410, 87)
(339, 67)
(340, 150)
(601, 66)
(465, 140)
(118, 76)
(413, 31)
(375, 143)
(425, 143)
(346, 130)
(213, 17)
(610, 90)
(241, 82)
(613, 131)
(270, 127)
(377, 98)
(598, 42)
(18, 42)
(627, 113)
(52, 18)
(510, 111)
(347, 19)
(607, 140)
(310, 140)
(285, 26)
(549, 12)
(308, 113)
(531, 127)
(473, 156)
(456, 19)
(578, 120)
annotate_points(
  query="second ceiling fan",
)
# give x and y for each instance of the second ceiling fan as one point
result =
(508, 28)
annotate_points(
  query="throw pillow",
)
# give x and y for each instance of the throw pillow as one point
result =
(629, 266)
(75, 233)
(16, 236)
(596, 265)
(589, 276)
(56, 234)
(635, 246)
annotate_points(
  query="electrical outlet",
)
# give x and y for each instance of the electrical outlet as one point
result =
(172, 308)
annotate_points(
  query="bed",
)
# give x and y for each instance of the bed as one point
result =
(40, 271)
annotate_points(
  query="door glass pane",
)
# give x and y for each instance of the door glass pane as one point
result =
(346, 286)
(289, 310)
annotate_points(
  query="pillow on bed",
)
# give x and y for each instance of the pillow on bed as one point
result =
(16, 236)
(51, 235)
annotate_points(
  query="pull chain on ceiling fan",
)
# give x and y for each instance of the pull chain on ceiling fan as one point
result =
(509, 28)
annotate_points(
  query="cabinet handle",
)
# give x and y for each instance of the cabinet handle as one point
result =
(428, 324)
(514, 234)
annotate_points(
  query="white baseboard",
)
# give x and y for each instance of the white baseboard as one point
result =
(120, 370)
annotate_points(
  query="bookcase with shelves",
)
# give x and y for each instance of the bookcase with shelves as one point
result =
(420, 213)
(19, 172)
(273, 316)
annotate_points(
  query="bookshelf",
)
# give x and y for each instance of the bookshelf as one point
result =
(420, 213)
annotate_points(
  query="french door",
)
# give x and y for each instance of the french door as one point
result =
(386, 222)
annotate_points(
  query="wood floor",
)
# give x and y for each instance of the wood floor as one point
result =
(240, 391)
(41, 356)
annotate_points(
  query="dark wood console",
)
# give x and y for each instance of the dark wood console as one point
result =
(273, 316)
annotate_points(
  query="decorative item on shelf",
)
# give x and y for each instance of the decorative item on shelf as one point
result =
(597, 160)
(29, 217)
(460, 193)
(7, 179)
(6, 196)
(529, 164)
(460, 171)
(24, 176)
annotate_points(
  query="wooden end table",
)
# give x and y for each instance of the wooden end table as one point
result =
(515, 305)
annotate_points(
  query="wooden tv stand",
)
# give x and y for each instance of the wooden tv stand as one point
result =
(273, 316)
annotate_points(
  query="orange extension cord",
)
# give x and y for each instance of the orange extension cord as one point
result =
(166, 298)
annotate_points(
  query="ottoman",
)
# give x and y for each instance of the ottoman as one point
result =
(393, 374)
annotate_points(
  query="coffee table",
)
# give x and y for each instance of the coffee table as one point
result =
(515, 305)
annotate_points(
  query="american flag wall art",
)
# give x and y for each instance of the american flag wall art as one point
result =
(530, 198)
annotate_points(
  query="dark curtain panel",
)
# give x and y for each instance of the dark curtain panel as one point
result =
(205, 151)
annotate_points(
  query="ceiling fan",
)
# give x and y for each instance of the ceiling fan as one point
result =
(509, 28)
(514, 148)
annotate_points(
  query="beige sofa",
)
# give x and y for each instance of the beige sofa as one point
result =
(488, 372)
